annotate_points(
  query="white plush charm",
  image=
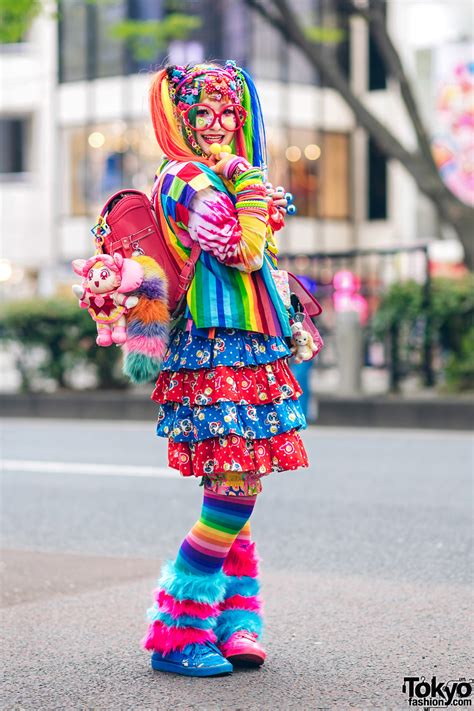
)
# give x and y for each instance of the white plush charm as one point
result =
(303, 346)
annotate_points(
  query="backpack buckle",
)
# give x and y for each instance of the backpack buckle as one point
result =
(187, 274)
(137, 250)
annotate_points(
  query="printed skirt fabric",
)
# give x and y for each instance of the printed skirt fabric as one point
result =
(229, 405)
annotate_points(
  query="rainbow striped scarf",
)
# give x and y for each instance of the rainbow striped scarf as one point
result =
(219, 296)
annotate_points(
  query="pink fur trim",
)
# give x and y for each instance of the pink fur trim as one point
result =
(242, 560)
(239, 602)
(166, 639)
(176, 608)
(152, 347)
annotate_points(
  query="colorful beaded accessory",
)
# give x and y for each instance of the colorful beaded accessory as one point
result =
(188, 82)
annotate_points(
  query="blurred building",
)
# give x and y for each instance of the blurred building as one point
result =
(75, 128)
(28, 157)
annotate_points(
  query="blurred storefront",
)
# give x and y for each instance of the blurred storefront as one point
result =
(75, 129)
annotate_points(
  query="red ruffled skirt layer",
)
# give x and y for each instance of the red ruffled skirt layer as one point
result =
(283, 452)
(249, 385)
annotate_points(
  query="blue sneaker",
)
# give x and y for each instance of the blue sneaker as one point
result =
(194, 660)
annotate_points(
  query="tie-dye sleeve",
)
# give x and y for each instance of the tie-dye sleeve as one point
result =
(234, 234)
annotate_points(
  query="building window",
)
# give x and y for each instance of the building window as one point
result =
(73, 50)
(103, 158)
(110, 52)
(223, 33)
(377, 183)
(377, 73)
(314, 166)
(275, 59)
(267, 50)
(13, 144)
(88, 49)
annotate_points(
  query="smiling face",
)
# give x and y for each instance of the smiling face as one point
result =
(101, 279)
(215, 133)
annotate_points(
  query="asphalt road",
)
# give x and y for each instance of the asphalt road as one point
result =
(366, 573)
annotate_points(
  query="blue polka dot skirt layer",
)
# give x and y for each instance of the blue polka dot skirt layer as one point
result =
(250, 425)
(229, 347)
(193, 424)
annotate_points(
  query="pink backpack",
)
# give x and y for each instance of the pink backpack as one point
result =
(128, 225)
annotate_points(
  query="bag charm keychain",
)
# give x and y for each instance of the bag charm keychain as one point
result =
(105, 292)
(305, 343)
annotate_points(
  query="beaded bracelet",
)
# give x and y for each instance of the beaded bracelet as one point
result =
(235, 167)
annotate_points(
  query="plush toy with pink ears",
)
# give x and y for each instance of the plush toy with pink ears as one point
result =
(303, 346)
(106, 281)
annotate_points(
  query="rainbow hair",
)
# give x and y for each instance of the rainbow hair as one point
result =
(254, 128)
(249, 140)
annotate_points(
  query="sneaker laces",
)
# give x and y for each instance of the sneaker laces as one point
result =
(200, 649)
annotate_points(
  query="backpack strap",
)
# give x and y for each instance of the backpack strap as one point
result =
(186, 277)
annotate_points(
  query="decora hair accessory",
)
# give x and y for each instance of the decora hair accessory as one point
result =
(176, 89)
(187, 83)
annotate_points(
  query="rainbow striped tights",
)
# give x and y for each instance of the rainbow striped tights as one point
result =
(211, 590)
(223, 519)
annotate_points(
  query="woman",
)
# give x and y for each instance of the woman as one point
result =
(227, 399)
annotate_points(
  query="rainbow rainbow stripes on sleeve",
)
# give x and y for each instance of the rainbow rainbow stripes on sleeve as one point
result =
(220, 296)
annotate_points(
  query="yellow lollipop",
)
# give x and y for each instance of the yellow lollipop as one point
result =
(217, 148)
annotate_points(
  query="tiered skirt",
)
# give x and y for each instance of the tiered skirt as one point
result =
(229, 404)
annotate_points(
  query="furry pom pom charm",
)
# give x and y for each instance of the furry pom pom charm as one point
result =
(147, 325)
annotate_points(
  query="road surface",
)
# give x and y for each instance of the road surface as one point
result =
(366, 573)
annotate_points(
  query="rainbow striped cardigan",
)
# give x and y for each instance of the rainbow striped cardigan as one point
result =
(219, 296)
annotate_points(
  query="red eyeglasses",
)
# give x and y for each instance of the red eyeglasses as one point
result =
(201, 117)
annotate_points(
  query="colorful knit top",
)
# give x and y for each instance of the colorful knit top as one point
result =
(233, 286)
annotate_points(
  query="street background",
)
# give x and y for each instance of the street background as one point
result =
(370, 125)
(366, 572)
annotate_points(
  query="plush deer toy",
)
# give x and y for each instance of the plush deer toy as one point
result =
(106, 282)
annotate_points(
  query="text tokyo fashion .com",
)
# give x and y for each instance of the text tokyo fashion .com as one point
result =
(437, 694)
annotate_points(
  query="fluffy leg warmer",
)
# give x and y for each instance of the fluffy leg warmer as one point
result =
(241, 609)
(185, 610)
(190, 590)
